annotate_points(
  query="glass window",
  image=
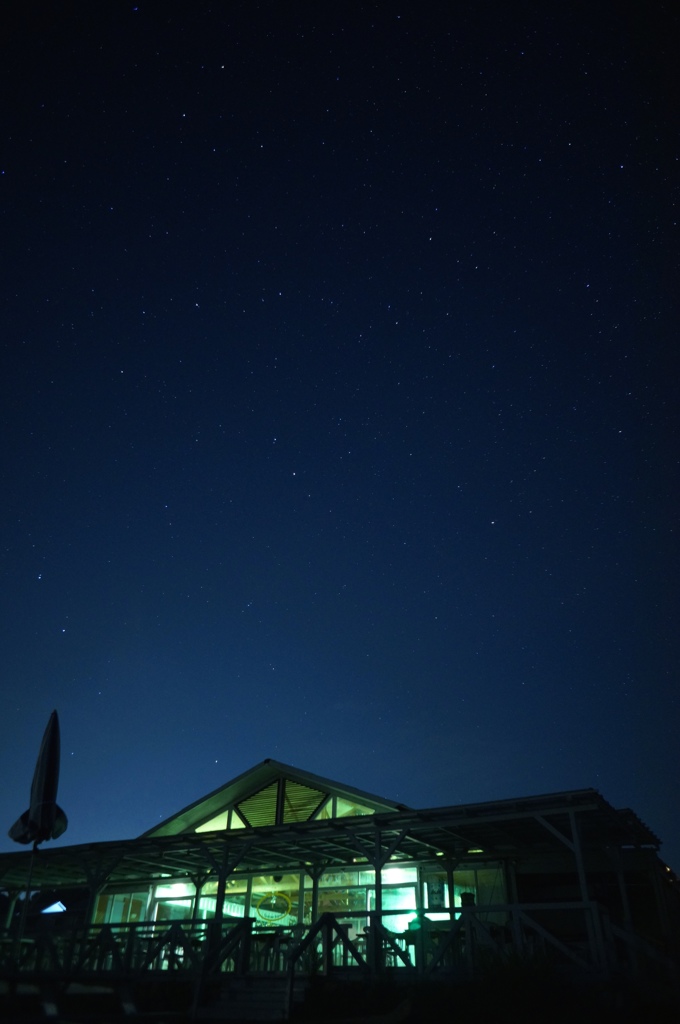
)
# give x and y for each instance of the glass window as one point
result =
(235, 904)
(342, 878)
(235, 883)
(485, 884)
(326, 810)
(396, 898)
(436, 895)
(350, 809)
(173, 901)
(464, 887)
(332, 879)
(275, 900)
(206, 908)
(490, 885)
(338, 807)
(121, 907)
(397, 876)
(227, 819)
(342, 893)
(173, 910)
(175, 890)
(221, 821)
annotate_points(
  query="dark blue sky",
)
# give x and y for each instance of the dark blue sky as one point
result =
(339, 402)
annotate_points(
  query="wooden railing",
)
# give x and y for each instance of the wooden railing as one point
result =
(576, 934)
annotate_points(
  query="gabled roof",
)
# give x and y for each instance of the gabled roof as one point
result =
(272, 793)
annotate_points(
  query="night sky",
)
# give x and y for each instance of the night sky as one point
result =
(338, 402)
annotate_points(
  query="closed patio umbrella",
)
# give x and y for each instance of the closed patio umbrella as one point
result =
(44, 818)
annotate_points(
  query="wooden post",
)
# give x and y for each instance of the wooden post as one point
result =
(596, 951)
(13, 895)
(375, 943)
(315, 872)
(221, 889)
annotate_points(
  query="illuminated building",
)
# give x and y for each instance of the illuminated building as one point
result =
(281, 872)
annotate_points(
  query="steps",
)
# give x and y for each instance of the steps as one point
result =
(251, 999)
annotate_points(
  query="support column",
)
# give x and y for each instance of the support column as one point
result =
(452, 896)
(230, 860)
(592, 919)
(315, 872)
(512, 898)
(380, 857)
(199, 881)
(97, 878)
(633, 959)
(578, 856)
(511, 893)
(13, 895)
(658, 881)
(378, 861)
(375, 943)
(221, 889)
(625, 902)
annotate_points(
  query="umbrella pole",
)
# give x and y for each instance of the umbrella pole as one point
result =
(24, 909)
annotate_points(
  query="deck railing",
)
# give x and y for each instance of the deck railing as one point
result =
(576, 934)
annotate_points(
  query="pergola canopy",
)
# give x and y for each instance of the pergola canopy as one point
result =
(514, 828)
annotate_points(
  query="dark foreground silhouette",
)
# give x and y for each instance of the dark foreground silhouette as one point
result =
(535, 994)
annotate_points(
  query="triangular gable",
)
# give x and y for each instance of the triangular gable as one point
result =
(272, 793)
